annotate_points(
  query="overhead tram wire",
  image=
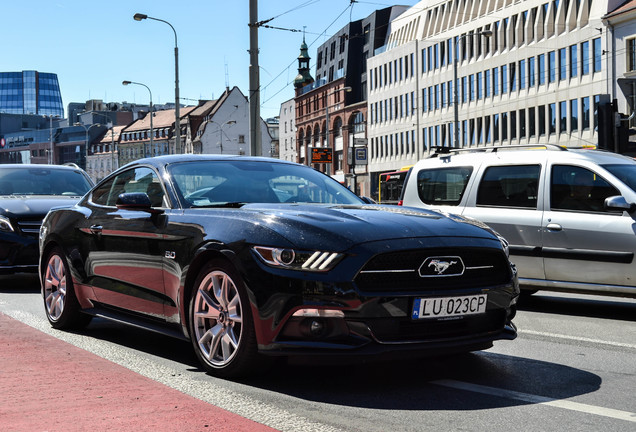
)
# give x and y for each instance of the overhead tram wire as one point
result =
(292, 63)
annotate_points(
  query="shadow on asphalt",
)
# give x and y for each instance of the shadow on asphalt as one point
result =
(410, 385)
(584, 306)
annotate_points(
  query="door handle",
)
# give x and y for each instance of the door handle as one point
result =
(554, 227)
(96, 229)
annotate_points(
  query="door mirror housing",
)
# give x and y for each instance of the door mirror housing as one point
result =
(139, 201)
(619, 203)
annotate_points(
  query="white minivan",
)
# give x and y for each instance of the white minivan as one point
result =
(569, 215)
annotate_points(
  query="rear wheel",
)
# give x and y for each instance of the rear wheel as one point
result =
(60, 301)
(221, 323)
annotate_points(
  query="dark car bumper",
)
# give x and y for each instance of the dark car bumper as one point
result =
(18, 254)
(368, 323)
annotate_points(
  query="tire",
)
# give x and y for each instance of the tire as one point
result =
(60, 301)
(221, 323)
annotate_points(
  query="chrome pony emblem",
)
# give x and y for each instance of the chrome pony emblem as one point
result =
(442, 266)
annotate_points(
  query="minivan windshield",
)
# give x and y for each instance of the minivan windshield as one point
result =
(625, 173)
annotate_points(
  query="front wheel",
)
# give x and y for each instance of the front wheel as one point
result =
(60, 302)
(221, 323)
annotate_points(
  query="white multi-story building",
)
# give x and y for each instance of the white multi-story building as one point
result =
(287, 131)
(528, 72)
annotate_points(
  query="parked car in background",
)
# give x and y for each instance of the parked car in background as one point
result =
(27, 193)
(568, 214)
(255, 257)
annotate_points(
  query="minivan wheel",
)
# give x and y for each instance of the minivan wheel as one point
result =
(221, 323)
(60, 301)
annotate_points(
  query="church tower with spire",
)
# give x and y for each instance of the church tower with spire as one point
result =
(304, 76)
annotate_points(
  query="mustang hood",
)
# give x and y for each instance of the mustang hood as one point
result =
(33, 206)
(338, 227)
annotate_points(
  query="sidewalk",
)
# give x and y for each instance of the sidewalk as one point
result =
(49, 385)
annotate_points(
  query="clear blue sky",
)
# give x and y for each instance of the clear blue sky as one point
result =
(93, 46)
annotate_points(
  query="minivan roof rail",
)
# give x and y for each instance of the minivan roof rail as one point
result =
(441, 151)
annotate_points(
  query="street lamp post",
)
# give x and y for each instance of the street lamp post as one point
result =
(229, 122)
(87, 144)
(177, 116)
(346, 89)
(487, 33)
(146, 152)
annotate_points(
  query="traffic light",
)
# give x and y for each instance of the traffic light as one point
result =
(606, 125)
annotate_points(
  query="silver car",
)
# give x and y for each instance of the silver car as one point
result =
(568, 214)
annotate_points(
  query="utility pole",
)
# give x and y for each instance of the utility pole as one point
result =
(255, 102)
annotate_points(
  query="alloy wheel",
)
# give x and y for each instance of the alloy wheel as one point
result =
(218, 318)
(55, 287)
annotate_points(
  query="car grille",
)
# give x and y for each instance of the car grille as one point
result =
(30, 228)
(399, 271)
(391, 330)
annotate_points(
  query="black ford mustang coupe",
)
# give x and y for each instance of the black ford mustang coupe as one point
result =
(251, 258)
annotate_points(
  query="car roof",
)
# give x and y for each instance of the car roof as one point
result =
(522, 154)
(40, 166)
(158, 161)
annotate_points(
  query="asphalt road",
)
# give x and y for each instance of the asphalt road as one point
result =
(573, 367)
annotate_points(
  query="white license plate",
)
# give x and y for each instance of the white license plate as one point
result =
(440, 307)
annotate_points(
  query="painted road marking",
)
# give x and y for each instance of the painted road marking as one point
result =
(535, 399)
(576, 338)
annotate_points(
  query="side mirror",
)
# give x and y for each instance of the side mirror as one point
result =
(619, 203)
(139, 201)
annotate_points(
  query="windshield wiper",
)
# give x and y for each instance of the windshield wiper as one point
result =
(231, 204)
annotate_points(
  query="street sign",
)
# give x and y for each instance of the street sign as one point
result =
(360, 142)
(360, 156)
(321, 155)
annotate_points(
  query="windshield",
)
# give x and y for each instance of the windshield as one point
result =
(43, 181)
(625, 173)
(235, 182)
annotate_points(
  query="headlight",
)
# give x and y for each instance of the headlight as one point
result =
(316, 261)
(5, 224)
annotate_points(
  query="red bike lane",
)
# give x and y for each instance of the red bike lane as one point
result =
(49, 385)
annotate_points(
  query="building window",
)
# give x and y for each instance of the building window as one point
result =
(531, 72)
(541, 120)
(496, 127)
(532, 131)
(541, 66)
(585, 105)
(487, 83)
(597, 52)
(522, 74)
(562, 64)
(552, 118)
(479, 86)
(574, 115)
(551, 66)
(504, 79)
(573, 61)
(585, 58)
(522, 123)
(495, 81)
(631, 55)
(563, 117)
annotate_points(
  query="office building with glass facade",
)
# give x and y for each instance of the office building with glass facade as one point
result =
(30, 92)
(527, 72)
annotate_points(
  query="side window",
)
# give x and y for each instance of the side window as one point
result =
(443, 186)
(134, 180)
(579, 189)
(509, 186)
